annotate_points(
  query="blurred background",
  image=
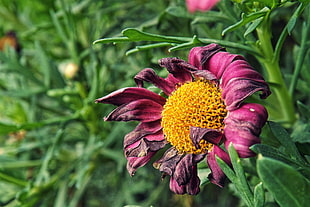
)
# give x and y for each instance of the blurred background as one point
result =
(55, 148)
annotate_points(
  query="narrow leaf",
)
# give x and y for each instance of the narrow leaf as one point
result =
(288, 187)
(259, 195)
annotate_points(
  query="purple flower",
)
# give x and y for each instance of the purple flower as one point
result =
(204, 110)
(200, 5)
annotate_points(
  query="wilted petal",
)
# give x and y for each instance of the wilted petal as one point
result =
(176, 188)
(191, 187)
(133, 163)
(211, 135)
(127, 95)
(243, 126)
(143, 110)
(143, 129)
(199, 56)
(148, 75)
(183, 171)
(180, 69)
(200, 5)
(169, 161)
(239, 89)
(217, 176)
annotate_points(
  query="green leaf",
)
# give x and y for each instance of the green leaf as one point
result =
(245, 20)
(259, 195)
(284, 138)
(272, 152)
(288, 187)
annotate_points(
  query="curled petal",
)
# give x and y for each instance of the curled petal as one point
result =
(127, 95)
(143, 129)
(243, 126)
(200, 5)
(133, 163)
(184, 169)
(148, 75)
(191, 187)
(217, 176)
(199, 56)
(142, 147)
(143, 110)
(180, 69)
(169, 161)
(211, 135)
(237, 90)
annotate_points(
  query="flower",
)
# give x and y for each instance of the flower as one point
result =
(201, 5)
(204, 109)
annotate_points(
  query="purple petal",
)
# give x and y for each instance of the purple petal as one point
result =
(239, 89)
(169, 161)
(143, 110)
(200, 5)
(143, 129)
(183, 171)
(243, 126)
(127, 95)
(239, 81)
(191, 188)
(180, 69)
(211, 135)
(167, 85)
(176, 188)
(133, 163)
(199, 56)
(217, 176)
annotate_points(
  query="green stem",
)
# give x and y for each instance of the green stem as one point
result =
(283, 109)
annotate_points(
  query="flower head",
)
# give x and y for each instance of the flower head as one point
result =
(204, 109)
(200, 5)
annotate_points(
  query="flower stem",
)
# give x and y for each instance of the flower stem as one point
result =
(281, 108)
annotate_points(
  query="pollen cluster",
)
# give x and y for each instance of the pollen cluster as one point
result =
(193, 104)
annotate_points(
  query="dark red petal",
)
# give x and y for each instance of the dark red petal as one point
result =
(238, 90)
(211, 135)
(191, 188)
(243, 126)
(143, 129)
(168, 161)
(143, 110)
(199, 56)
(239, 81)
(133, 163)
(127, 95)
(180, 69)
(217, 176)
(148, 75)
(183, 170)
(176, 188)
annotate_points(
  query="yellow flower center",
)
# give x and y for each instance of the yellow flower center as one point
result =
(193, 104)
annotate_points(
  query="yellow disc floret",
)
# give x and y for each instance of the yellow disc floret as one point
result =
(193, 104)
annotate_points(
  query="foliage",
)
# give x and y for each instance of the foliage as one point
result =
(55, 149)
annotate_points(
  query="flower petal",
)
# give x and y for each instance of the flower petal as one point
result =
(180, 69)
(168, 161)
(143, 129)
(199, 56)
(211, 135)
(183, 171)
(143, 110)
(243, 126)
(217, 176)
(127, 95)
(148, 75)
(133, 163)
(239, 81)
(200, 5)
(191, 188)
